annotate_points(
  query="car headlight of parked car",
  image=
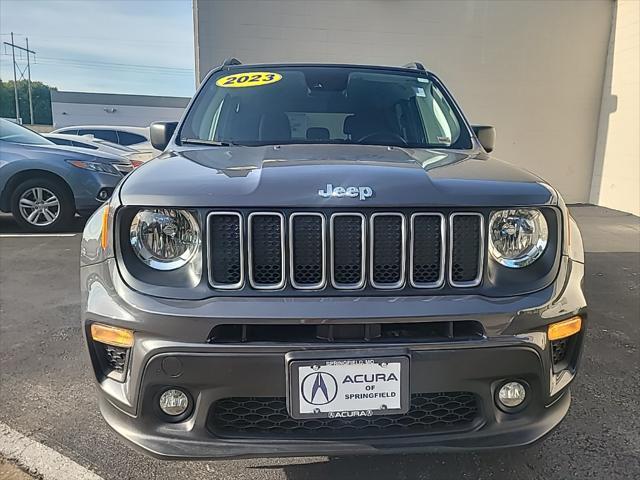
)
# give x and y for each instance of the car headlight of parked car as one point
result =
(165, 239)
(517, 237)
(95, 166)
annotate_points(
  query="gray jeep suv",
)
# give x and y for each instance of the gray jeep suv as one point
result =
(326, 260)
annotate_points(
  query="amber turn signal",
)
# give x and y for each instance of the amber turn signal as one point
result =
(104, 235)
(115, 336)
(565, 328)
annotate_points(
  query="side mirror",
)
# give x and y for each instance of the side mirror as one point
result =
(160, 134)
(486, 135)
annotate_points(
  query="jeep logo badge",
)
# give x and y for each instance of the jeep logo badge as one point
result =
(352, 192)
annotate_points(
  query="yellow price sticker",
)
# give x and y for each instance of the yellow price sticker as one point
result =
(249, 79)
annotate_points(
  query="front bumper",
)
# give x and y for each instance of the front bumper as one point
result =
(86, 185)
(171, 350)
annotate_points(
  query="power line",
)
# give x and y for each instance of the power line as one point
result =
(110, 39)
(42, 60)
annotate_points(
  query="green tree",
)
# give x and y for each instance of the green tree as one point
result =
(41, 95)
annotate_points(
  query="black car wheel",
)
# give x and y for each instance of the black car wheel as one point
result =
(42, 205)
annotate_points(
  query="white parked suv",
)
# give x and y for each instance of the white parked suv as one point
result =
(133, 137)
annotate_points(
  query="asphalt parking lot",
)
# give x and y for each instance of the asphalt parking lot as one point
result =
(46, 391)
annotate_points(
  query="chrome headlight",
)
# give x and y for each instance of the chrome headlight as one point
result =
(165, 239)
(518, 237)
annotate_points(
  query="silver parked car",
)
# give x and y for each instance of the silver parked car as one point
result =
(43, 185)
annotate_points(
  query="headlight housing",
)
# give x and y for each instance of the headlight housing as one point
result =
(96, 166)
(517, 237)
(165, 239)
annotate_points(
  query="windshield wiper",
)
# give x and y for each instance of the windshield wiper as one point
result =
(199, 141)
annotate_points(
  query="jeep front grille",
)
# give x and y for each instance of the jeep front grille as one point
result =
(344, 250)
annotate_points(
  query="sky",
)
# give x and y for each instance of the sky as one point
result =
(110, 46)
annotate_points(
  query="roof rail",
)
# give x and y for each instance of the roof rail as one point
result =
(231, 61)
(415, 65)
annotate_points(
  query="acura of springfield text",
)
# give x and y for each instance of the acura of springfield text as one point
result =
(327, 260)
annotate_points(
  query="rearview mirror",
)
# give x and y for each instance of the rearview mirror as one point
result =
(486, 135)
(160, 134)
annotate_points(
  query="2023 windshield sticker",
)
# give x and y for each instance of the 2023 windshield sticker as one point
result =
(248, 79)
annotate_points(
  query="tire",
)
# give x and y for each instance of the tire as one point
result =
(42, 205)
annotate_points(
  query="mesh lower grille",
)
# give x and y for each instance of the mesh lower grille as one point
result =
(387, 250)
(225, 249)
(466, 234)
(347, 250)
(116, 358)
(427, 250)
(266, 250)
(559, 350)
(307, 247)
(113, 360)
(262, 417)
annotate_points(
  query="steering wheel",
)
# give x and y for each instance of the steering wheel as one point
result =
(383, 136)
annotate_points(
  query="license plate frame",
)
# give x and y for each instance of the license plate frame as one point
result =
(338, 367)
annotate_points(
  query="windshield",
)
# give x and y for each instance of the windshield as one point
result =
(14, 133)
(315, 104)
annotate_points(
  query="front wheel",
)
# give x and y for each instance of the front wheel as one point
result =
(42, 205)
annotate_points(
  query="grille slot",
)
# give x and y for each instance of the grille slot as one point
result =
(411, 332)
(429, 413)
(266, 250)
(348, 250)
(307, 249)
(388, 245)
(225, 250)
(427, 250)
(466, 252)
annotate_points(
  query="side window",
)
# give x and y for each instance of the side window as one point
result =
(108, 135)
(61, 141)
(128, 138)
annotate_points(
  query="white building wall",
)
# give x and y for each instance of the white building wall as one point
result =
(534, 69)
(67, 114)
(616, 173)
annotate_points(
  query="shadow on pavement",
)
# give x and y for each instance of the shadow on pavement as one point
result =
(503, 464)
(9, 226)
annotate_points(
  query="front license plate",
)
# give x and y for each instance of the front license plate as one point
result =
(345, 388)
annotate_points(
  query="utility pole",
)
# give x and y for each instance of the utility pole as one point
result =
(15, 79)
(22, 77)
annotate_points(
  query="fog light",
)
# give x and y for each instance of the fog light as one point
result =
(512, 394)
(174, 402)
(104, 194)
